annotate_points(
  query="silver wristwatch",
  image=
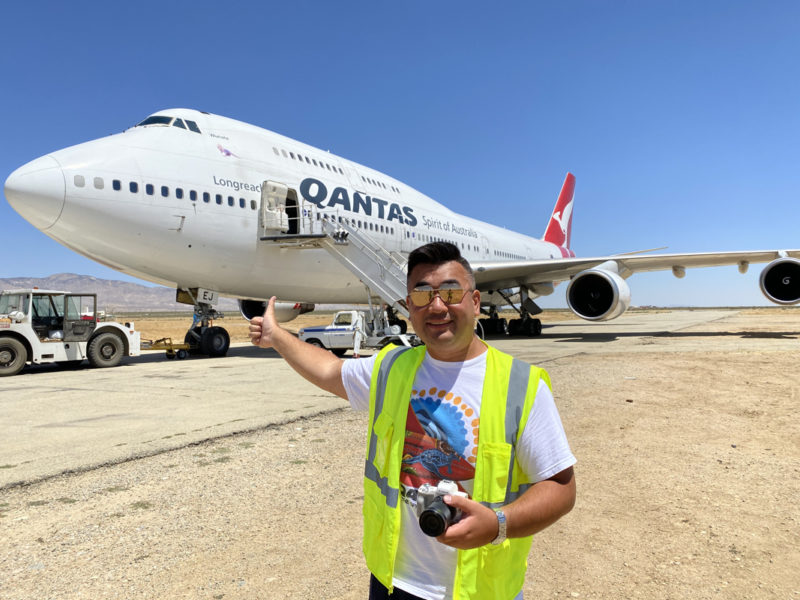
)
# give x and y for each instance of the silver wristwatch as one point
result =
(501, 528)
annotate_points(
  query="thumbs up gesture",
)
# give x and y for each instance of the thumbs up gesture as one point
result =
(262, 328)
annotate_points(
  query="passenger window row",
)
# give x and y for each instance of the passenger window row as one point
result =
(380, 184)
(311, 161)
(501, 254)
(323, 165)
(220, 199)
(423, 237)
(369, 226)
(165, 190)
(365, 225)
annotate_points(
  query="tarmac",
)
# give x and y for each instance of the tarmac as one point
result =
(59, 421)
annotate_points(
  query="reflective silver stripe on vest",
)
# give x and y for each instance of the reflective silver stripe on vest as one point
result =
(370, 470)
(515, 403)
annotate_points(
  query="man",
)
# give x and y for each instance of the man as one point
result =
(454, 409)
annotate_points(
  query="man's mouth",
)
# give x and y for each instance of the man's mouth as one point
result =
(440, 323)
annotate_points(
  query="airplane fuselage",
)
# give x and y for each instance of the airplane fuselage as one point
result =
(179, 206)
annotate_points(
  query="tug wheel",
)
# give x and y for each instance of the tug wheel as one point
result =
(13, 356)
(105, 350)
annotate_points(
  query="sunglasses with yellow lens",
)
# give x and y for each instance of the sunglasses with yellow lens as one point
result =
(450, 293)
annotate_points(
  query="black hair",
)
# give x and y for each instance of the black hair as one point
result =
(437, 253)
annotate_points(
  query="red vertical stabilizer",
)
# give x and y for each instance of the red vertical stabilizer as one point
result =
(559, 229)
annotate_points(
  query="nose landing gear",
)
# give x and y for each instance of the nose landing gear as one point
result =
(205, 338)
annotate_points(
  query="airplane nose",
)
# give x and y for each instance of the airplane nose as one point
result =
(36, 191)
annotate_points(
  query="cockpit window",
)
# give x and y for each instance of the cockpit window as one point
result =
(165, 121)
(156, 120)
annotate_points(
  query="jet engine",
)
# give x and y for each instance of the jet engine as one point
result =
(284, 311)
(780, 281)
(598, 295)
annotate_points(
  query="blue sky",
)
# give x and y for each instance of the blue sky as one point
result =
(679, 118)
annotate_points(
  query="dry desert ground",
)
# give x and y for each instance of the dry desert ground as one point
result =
(688, 480)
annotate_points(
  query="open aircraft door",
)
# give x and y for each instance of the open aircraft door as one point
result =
(484, 247)
(408, 239)
(272, 217)
(279, 212)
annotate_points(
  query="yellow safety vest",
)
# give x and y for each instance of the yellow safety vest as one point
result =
(509, 390)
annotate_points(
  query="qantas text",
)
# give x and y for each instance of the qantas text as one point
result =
(314, 191)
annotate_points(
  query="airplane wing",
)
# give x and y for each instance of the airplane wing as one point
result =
(508, 274)
(598, 289)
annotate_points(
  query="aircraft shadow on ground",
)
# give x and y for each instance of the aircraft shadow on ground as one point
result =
(610, 337)
(598, 337)
(237, 351)
(151, 357)
(583, 336)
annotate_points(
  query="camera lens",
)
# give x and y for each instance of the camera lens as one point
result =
(434, 520)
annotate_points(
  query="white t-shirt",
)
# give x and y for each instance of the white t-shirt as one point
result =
(441, 443)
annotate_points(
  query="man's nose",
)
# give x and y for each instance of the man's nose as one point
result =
(438, 303)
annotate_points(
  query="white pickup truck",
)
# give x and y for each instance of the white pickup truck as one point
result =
(354, 330)
(43, 326)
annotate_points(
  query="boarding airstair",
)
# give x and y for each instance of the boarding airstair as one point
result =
(282, 222)
(383, 272)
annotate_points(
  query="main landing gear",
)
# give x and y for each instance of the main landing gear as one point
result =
(526, 325)
(205, 338)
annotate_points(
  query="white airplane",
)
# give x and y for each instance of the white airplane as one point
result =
(183, 199)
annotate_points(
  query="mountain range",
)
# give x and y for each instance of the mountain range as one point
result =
(112, 295)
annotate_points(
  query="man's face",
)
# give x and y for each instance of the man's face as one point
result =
(446, 329)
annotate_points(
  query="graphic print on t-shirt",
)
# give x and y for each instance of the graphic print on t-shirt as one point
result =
(441, 439)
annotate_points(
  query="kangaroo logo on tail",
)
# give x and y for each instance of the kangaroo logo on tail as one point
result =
(559, 229)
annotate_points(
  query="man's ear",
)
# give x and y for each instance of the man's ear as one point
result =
(476, 301)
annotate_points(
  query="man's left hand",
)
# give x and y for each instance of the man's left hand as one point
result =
(478, 525)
